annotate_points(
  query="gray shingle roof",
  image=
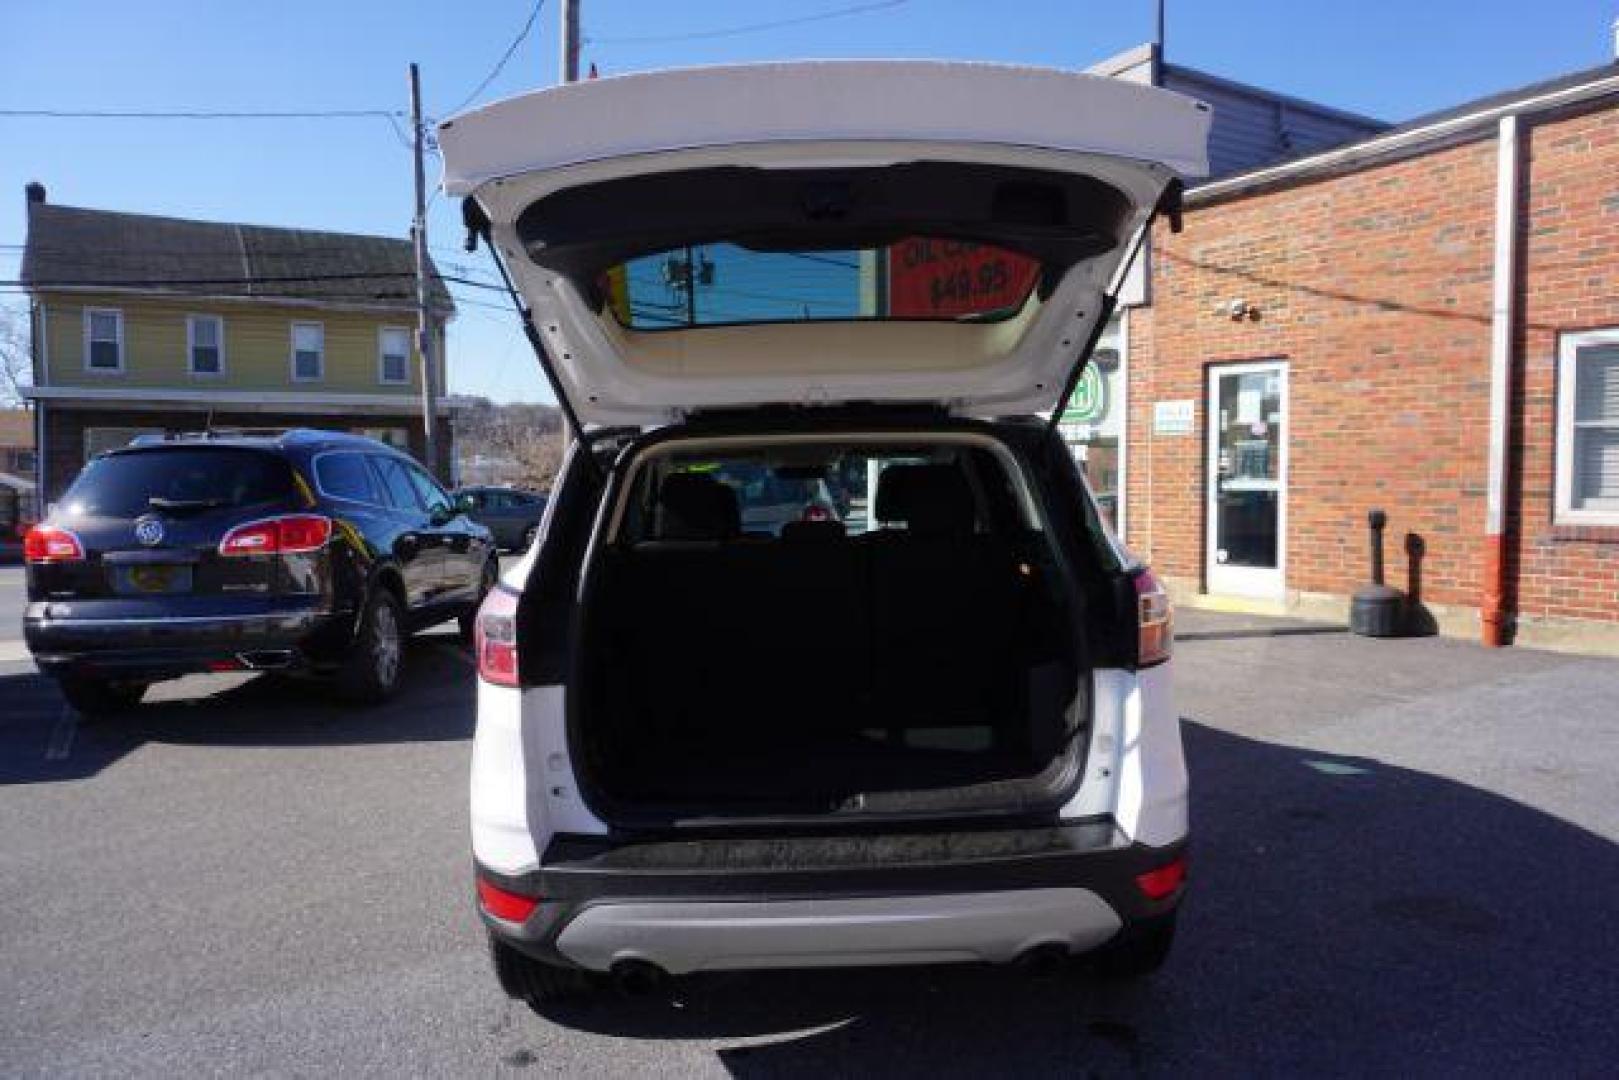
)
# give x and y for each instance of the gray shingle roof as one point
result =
(70, 245)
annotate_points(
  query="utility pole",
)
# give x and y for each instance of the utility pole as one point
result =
(1158, 30)
(424, 294)
(570, 41)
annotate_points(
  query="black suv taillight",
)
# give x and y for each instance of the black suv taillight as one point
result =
(49, 544)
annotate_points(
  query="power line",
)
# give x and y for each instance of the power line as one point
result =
(199, 114)
(749, 28)
(276, 279)
(505, 57)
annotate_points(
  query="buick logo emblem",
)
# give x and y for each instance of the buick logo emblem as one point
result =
(149, 531)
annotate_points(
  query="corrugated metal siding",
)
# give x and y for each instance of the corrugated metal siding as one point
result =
(1252, 129)
(258, 343)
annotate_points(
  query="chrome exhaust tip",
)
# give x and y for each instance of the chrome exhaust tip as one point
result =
(638, 978)
(1043, 961)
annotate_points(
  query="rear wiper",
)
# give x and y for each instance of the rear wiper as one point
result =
(158, 502)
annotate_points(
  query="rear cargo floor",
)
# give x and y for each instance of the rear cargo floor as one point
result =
(820, 773)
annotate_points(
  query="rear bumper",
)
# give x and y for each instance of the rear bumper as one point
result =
(705, 905)
(144, 645)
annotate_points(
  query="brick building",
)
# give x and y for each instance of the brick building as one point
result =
(1424, 321)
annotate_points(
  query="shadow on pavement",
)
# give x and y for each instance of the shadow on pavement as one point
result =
(435, 703)
(1345, 917)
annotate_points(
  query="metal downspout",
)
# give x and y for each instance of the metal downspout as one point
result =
(1493, 613)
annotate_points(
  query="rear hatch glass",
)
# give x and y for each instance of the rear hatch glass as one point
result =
(139, 482)
(727, 284)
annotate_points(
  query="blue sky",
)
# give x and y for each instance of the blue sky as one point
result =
(1387, 58)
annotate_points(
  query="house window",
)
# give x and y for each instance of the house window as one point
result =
(103, 339)
(1588, 429)
(308, 352)
(396, 437)
(205, 344)
(393, 355)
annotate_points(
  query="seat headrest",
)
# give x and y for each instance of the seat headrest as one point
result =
(930, 499)
(813, 531)
(698, 507)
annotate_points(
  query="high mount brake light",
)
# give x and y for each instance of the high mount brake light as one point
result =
(495, 638)
(1155, 621)
(289, 535)
(49, 544)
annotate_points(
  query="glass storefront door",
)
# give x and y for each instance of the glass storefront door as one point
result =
(1247, 478)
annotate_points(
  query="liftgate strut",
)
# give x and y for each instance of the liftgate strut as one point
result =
(477, 224)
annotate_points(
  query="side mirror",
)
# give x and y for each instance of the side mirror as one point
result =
(465, 504)
(441, 515)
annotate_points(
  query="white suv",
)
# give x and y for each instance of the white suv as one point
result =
(930, 718)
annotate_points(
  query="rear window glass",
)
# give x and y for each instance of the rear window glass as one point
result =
(345, 476)
(918, 277)
(192, 478)
(840, 489)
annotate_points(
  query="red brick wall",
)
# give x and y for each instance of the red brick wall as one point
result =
(1570, 262)
(1375, 287)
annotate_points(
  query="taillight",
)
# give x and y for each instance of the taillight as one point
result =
(288, 535)
(1154, 619)
(513, 907)
(49, 544)
(817, 512)
(496, 638)
(1163, 882)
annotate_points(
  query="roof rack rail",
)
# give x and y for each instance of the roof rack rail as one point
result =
(223, 432)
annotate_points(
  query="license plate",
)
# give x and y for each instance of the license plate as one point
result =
(154, 578)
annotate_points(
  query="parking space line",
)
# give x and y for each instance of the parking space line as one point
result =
(61, 742)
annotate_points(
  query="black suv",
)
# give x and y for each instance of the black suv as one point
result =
(305, 551)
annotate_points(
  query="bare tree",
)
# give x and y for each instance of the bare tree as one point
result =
(16, 358)
(517, 443)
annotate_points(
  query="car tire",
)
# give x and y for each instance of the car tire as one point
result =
(529, 535)
(537, 983)
(101, 697)
(1141, 950)
(469, 621)
(370, 673)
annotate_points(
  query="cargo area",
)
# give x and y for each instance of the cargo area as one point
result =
(899, 640)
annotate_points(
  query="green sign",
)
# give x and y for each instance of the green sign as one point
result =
(1089, 402)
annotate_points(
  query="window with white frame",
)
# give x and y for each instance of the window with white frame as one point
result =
(103, 339)
(205, 344)
(1588, 428)
(393, 355)
(308, 352)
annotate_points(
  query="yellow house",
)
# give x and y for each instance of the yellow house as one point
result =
(148, 324)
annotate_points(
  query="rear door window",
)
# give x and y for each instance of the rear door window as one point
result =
(396, 483)
(181, 478)
(427, 490)
(345, 476)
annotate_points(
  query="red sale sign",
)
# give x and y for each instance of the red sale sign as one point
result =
(929, 278)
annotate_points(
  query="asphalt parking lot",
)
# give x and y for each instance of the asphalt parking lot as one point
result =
(1404, 861)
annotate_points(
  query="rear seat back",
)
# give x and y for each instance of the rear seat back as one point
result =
(817, 631)
(943, 602)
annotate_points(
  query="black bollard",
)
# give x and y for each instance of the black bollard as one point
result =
(1377, 610)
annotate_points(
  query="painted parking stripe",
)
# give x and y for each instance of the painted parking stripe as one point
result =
(61, 742)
